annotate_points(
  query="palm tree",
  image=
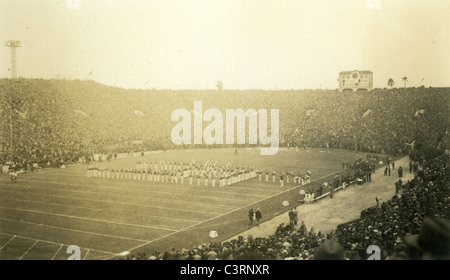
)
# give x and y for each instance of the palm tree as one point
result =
(391, 82)
(405, 79)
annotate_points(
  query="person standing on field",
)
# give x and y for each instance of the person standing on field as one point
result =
(291, 217)
(400, 172)
(295, 216)
(250, 217)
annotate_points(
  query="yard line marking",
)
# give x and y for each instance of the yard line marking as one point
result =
(96, 209)
(137, 183)
(239, 209)
(56, 243)
(217, 224)
(75, 230)
(210, 189)
(28, 250)
(129, 195)
(84, 218)
(116, 202)
(85, 256)
(7, 242)
(183, 199)
(255, 202)
(54, 256)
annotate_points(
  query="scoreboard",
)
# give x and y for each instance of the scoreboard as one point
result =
(355, 80)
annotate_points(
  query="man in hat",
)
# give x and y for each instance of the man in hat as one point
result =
(400, 172)
(295, 216)
(258, 216)
(291, 216)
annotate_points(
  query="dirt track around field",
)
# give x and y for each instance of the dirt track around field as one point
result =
(346, 205)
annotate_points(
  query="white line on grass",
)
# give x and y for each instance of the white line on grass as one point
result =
(96, 209)
(56, 243)
(175, 187)
(127, 197)
(84, 218)
(116, 202)
(54, 256)
(85, 256)
(28, 250)
(241, 208)
(7, 242)
(75, 230)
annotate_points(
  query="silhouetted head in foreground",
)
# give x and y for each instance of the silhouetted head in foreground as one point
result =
(433, 240)
(330, 250)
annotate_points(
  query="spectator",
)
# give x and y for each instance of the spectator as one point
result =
(295, 215)
(330, 250)
(258, 215)
(250, 217)
(431, 243)
(291, 216)
(398, 186)
(400, 172)
(212, 255)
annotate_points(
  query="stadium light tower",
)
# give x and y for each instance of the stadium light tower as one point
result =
(13, 106)
(13, 44)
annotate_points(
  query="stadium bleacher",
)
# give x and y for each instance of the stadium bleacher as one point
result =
(61, 120)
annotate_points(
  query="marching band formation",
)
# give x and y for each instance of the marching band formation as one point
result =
(199, 173)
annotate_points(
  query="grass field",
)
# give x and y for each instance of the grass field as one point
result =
(46, 211)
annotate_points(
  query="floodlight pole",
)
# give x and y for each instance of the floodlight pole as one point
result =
(13, 44)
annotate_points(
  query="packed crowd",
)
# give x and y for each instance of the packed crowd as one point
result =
(288, 242)
(35, 127)
(59, 121)
(427, 195)
(49, 123)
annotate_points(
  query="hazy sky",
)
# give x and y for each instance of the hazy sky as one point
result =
(247, 44)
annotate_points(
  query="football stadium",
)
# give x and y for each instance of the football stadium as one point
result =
(95, 166)
(105, 179)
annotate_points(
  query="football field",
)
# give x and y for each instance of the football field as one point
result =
(46, 211)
